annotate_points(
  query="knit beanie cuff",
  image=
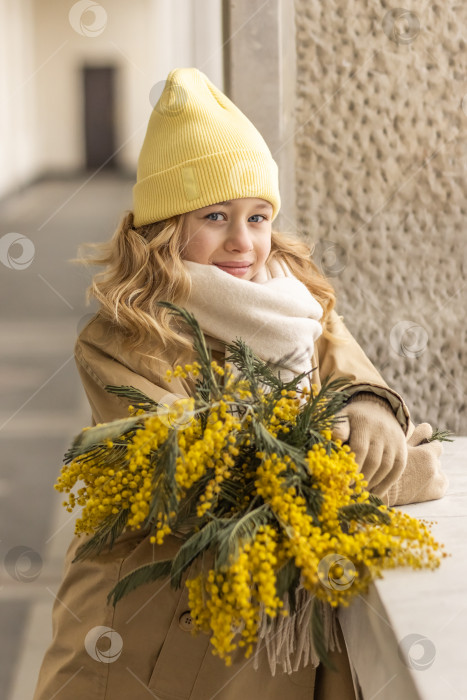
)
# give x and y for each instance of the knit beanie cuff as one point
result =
(203, 181)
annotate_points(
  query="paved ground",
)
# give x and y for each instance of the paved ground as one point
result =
(42, 404)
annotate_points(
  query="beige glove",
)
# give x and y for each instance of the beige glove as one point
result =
(376, 437)
(422, 478)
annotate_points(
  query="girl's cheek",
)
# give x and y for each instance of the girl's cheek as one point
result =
(203, 246)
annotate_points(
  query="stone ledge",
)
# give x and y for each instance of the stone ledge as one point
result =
(429, 605)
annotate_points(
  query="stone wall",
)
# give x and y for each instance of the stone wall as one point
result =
(381, 158)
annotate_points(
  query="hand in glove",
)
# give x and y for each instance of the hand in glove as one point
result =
(376, 437)
(422, 478)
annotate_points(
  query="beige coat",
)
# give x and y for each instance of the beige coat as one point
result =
(152, 653)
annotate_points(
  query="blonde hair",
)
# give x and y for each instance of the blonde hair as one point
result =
(143, 265)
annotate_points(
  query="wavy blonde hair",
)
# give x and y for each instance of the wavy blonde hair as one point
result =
(143, 265)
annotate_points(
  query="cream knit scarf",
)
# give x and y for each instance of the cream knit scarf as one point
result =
(278, 318)
(274, 314)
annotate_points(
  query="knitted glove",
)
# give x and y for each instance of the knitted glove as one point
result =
(377, 439)
(422, 478)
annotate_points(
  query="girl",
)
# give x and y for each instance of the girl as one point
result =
(200, 235)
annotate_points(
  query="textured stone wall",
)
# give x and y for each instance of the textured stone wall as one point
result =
(381, 151)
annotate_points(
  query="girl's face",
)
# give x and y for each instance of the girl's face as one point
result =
(235, 236)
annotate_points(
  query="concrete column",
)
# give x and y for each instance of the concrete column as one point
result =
(259, 77)
(206, 26)
(183, 33)
(17, 94)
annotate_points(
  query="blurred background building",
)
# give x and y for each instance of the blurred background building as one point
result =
(78, 78)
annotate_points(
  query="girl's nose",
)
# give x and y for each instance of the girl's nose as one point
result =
(239, 237)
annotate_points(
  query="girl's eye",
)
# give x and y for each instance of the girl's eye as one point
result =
(218, 213)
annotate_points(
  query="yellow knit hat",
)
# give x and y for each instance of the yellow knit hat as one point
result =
(199, 149)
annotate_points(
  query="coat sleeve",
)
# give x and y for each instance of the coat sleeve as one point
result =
(97, 368)
(347, 359)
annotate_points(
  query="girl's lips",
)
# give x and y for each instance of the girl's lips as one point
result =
(237, 271)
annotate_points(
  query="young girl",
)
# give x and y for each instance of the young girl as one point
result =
(200, 235)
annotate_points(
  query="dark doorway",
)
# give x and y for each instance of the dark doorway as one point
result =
(99, 123)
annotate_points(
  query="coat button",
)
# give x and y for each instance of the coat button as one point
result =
(185, 621)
